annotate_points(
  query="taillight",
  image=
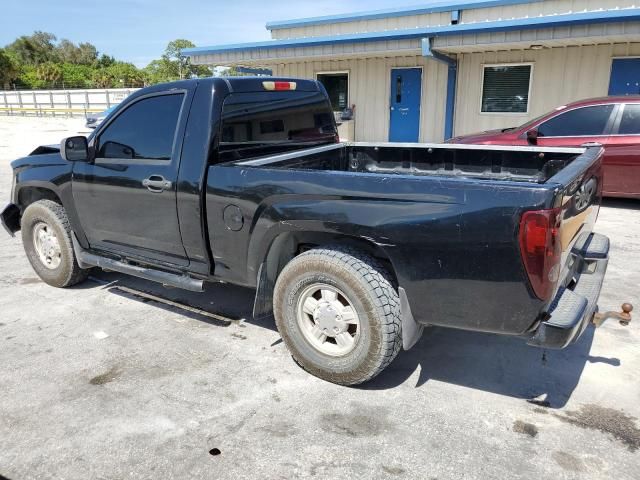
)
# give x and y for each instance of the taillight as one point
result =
(277, 85)
(541, 249)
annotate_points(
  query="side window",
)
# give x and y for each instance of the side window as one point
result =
(630, 123)
(145, 130)
(579, 122)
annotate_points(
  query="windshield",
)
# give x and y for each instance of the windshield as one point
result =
(531, 123)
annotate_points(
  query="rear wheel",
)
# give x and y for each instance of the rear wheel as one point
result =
(339, 314)
(46, 238)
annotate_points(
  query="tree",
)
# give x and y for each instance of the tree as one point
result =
(231, 72)
(87, 53)
(9, 69)
(104, 61)
(34, 49)
(77, 76)
(178, 65)
(159, 71)
(49, 72)
(82, 54)
(118, 75)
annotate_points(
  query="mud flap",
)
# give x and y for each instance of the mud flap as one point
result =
(411, 330)
(10, 219)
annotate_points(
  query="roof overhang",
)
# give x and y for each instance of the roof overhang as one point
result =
(553, 30)
(578, 35)
(434, 7)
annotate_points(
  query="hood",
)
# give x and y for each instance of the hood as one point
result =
(489, 136)
(42, 156)
(44, 149)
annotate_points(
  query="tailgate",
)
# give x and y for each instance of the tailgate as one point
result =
(579, 198)
(583, 261)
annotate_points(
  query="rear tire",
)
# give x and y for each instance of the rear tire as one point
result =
(46, 238)
(339, 314)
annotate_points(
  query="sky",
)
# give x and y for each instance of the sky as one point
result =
(137, 31)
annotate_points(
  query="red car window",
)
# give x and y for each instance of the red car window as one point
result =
(585, 121)
(630, 123)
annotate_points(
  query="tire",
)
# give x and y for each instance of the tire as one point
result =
(55, 262)
(305, 313)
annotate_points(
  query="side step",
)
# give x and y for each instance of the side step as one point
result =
(87, 260)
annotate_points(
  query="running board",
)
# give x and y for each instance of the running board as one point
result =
(87, 260)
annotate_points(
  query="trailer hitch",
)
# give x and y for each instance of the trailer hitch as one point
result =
(623, 317)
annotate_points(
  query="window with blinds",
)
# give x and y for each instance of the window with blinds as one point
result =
(505, 88)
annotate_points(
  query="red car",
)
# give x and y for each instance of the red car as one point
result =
(613, 122)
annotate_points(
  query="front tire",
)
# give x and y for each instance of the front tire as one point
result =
(339, 314)
(46, 238)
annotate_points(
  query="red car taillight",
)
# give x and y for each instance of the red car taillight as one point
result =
(541, 249)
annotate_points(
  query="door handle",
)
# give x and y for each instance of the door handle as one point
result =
(156, 183)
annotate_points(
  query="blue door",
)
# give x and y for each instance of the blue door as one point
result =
(625, 76)
(406, 86)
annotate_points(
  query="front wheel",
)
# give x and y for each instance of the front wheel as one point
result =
(46, 238)
(339, 314)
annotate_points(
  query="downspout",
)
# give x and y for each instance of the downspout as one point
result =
(452, 74)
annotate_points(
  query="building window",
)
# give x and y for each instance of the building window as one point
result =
(337, 86)
(505, 88)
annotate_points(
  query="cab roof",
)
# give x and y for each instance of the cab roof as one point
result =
(238, 84)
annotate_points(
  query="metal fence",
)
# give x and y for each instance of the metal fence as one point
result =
(60, 102)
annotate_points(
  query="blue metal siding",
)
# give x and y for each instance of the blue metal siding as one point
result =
(611, 16)
(435, 7)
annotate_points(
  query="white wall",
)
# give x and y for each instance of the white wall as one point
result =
(560, 75)
(369, 89)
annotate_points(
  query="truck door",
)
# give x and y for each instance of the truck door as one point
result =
(126, 198)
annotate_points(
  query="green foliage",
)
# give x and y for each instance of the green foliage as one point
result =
(49, 72)
(9, 69)
(232, 72)
(175, 66)
(34, 49)
(77, 76)
(81, 54)
(39, 61)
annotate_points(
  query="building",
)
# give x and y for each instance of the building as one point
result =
(450, 68)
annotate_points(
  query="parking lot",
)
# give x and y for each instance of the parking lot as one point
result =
(114, 378)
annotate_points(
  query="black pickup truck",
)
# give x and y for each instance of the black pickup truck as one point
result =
(352, 247)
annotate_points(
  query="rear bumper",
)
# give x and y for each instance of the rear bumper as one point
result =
(10, 219)
(574, 306)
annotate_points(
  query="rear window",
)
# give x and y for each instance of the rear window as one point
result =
(267, 123)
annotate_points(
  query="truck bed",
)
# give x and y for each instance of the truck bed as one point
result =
(447, 218)
(520, 164)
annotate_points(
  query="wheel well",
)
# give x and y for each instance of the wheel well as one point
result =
(29, 195)
(290, 244)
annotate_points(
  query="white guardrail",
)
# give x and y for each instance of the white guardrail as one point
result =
(60, 102)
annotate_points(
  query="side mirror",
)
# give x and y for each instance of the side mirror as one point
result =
(75, 149)
(532, 136)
